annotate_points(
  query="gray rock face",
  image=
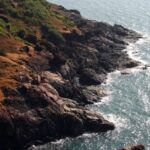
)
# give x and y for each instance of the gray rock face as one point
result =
(89, 54)
(37, 113)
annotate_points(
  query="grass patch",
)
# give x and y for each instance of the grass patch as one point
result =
(4, 27)
(32, 11)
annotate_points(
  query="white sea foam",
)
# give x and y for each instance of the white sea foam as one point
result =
(148, 121)
(105, 100)
(88, 135)
(111, 76)
(120, 123)
(144, 99)
(61, 141)
(133, 50)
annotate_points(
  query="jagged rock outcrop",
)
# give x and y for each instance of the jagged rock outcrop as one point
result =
(35, 113)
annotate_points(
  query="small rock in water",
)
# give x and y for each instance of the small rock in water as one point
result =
(125, 72)
(134, 147)
(145, 67)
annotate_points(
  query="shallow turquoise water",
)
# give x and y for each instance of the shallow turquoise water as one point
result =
(128, 102)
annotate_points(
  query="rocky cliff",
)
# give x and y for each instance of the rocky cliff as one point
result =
(50, 59)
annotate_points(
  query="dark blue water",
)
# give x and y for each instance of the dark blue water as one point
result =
(128, 101)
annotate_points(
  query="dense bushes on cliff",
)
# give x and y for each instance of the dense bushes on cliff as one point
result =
(26, 8)
(32, 10)
(33, 13)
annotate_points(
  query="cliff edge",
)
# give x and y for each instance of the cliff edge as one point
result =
(50, 59)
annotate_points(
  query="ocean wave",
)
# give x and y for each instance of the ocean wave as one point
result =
(133, 49)
(117, 119)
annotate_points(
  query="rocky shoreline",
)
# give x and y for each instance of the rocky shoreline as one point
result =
(49, 105)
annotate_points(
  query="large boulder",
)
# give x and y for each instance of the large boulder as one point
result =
(90, 77)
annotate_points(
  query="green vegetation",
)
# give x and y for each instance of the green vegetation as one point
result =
(30, 10)
(65, 20)
(4, 26)
(33, 12)
(52, 34)
(9, 8)
(68, 23)
(2, 32)
(23, 18)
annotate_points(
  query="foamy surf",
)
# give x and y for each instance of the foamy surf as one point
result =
(133, 49)
(120, 122)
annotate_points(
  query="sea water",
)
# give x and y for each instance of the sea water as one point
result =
(128, 102)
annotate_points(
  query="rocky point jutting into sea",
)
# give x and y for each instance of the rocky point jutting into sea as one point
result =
(48, 65)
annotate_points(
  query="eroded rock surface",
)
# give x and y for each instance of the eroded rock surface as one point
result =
(36, 113)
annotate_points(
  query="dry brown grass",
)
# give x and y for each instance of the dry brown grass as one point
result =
(1, 96)
(10, 63)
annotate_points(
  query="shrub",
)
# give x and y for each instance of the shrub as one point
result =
(2, 52)
(2, 31)
(68, 23)
(4, 26)
(52, 34)
(31, 38)
(21, 33)
(27, 9)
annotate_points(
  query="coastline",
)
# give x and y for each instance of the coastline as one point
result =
(129, 50)
(52, 102)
